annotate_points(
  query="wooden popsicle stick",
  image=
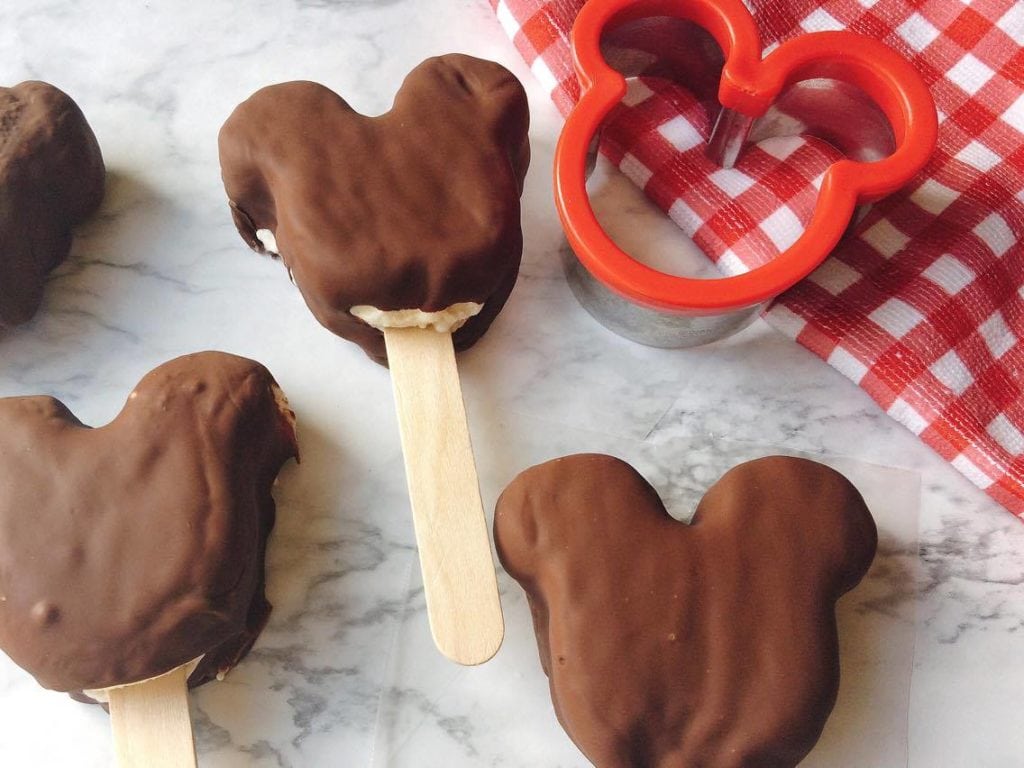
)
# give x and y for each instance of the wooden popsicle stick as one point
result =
(151, 723)
(459, 582)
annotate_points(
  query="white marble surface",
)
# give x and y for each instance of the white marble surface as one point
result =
(345, 674)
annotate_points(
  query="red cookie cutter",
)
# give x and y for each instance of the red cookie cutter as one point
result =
(666, 310)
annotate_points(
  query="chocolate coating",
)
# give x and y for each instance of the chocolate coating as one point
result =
(676, 646)
(415, 209)
(131, 549)
(51, 178)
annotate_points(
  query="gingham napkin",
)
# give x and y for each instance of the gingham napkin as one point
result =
(922, 304)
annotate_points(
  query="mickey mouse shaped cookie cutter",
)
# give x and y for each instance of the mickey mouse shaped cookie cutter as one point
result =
(886, 130)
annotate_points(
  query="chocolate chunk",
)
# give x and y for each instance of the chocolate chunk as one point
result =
(131, 549)
(415, 209)
(669, 645)
(51, 178)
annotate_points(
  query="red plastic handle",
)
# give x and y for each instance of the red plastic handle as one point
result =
(748, 85)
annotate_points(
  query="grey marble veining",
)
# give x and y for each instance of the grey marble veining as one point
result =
(345, 673)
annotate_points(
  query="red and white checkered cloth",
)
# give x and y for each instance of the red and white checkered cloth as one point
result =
(922, 304)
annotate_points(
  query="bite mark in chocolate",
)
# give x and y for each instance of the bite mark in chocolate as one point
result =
(134, 548)
(712, 644)
(51, 178)
(416, 209)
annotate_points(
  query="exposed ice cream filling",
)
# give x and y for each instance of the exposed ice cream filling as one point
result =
(283, 405)
(447, 320)
(266, 237)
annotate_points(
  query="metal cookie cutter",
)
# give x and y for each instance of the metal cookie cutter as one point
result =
(849, 90)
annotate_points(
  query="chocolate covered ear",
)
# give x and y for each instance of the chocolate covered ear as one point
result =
(51, 178)
(493, 94)
(134, 548)
(713, 644)
(416, 209)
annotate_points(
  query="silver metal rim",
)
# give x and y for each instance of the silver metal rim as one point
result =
(645, 325)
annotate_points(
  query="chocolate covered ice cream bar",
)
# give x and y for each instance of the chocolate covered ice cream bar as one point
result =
(51, 178)
(408, 219)
(135, 550)
(711, 644)
(403, 234)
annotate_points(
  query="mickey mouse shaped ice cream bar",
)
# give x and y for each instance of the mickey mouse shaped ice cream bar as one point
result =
(131, 556)
(51, 178)
(409, 219)
(709, 644)
(403, 234)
